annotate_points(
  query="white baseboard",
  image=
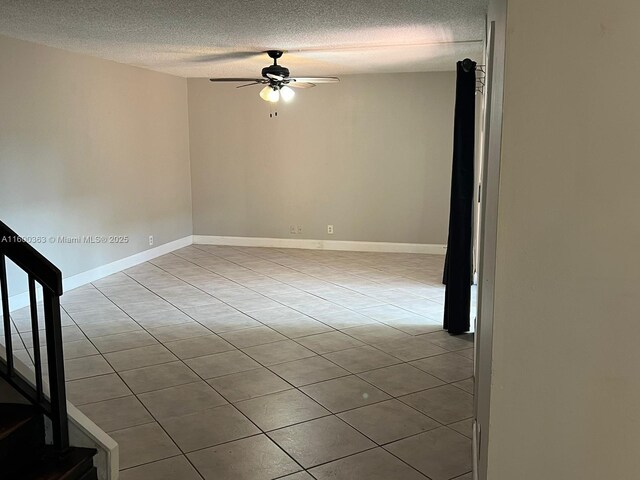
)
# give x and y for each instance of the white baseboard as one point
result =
(344, 245)
(22, 300)
(124, 263)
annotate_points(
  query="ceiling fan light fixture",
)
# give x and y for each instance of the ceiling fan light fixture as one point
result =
(274, 95)
(270, 94)
(287, 93)
(264, 93)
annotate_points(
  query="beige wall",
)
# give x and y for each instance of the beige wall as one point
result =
(566, 387)
(91, 147)
(371, 156)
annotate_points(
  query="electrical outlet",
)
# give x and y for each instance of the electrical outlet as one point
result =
(330, 229)
(150, 240)
(299, 229)
(292, 229)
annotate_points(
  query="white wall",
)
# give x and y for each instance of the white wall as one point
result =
(371, 156)
(91, 147)
(566, 387)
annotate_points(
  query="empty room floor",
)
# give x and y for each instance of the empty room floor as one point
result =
(258, 363)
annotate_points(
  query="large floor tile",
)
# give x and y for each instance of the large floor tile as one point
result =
(139, 357)
(181, 400)
(77, 349)
(96, 389)
(409, 349)
(230, 323)
(301, 328)
(342, 318)
(446, 404)
(86, 367)
(199, 346)
(110, 328)
(465, 427)
(467, 353)
(298, 476)
(278, 314)
(361, 359)
(156, 377)
(98, 315)
(143, 444)
(449, 367)
(440, 454)
(250, 337)
(278, 352)
(416, 325)
(321, 440)
(179, 332)
(281, 409)
(250, 384)
(208, 428)
(153, 305)
(219, 364)
(451, 342)
(329, 342)
(376, 333)
(309, 370)
(123, 341)
(344, 393)
(150, 319)
(117, 413)
(174, 468)
(466, 476)
(376, 464)
(253, 458)
(384, 313)
(400, 379)
(388, 421)
(467, 385)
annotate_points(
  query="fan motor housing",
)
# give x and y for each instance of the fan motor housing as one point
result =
(275, 70)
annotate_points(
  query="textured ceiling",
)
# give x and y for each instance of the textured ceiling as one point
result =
(199, 38)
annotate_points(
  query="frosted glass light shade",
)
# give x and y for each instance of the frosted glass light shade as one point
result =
(287, 93)
(270, 94)
(264, 93)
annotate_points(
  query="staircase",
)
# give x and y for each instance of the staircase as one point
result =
(24, 455)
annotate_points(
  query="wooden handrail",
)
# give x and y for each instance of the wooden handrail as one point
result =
(20, 252)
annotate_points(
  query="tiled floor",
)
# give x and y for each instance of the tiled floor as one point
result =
(254, 363)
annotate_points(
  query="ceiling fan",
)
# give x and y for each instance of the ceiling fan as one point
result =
(277, 81)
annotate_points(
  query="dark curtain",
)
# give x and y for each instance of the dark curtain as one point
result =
(458, 263)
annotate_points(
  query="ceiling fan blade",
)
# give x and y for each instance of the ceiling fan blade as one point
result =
(249, 84)
(301, 85)
(275, 77)
(256, 80)
(315, 79)
(225, 57)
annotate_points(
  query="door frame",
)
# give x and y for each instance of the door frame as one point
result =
(492, 140)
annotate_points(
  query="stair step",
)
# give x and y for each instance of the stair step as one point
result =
(14, 416)
(24, 456)
(21, 435)
(75, 465)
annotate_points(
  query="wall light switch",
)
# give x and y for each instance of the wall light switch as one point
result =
(330, 229)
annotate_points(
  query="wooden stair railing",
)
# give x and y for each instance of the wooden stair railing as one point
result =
(42, 272)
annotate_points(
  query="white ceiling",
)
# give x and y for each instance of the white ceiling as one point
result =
(200, 38)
